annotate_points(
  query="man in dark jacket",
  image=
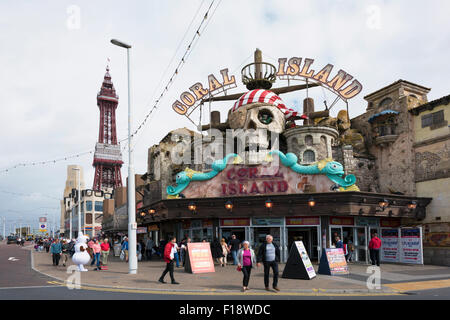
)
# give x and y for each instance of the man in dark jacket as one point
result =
(269, 255)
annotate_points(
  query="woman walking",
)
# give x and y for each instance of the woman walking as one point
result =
(216, 251)
(96, 249)
(246, 260)
(225, 251)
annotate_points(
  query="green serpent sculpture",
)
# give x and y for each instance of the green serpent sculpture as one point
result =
(332, 169)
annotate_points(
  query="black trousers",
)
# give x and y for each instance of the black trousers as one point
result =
(274, 266)
(375, 256)
(55, 258)
(149, 254)
(169, 268)
(247, 270)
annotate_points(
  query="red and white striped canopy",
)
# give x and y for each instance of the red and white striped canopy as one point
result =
(266, 96)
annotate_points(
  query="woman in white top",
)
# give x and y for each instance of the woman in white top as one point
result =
(175, 249)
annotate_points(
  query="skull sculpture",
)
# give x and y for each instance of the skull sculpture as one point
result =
(259, 113)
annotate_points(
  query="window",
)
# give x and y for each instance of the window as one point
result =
(309, 140)
(88, 218)
(433, 119)
(309, 156)
(99, 206)
(88, 205)
(385, 102)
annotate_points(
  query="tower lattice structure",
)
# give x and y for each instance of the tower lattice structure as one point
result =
(107, 156)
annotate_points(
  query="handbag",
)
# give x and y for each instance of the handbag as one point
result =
(239, 268)
(122, 255)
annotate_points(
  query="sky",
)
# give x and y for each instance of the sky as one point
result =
(53, 56)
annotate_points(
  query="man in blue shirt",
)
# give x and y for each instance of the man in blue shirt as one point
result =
(125, 248)
(56, 251)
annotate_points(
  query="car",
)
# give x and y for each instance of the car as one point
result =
(11, 239)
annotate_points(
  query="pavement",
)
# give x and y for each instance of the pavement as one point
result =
(226, 281)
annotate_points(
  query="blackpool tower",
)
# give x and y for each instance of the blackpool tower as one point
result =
(107, 156)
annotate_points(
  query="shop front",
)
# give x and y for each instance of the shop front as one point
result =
(307, 230)
(196, 229)
(359, 231)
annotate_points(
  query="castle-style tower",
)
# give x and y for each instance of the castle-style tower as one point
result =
(107, 156)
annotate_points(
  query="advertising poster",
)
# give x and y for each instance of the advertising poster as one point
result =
(332, 262)
(305, 259)
(411, 245)
(298, 265)
(199, 259)
(389, 245)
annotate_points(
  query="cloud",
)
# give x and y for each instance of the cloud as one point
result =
(51, 73)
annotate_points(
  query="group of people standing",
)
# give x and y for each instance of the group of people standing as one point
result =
(64, 249)
(348, 248)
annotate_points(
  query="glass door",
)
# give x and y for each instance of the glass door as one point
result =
(335, 232)
(361, 244)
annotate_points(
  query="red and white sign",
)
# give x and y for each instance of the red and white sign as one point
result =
(411, 245)
(302, 221)
(200, 257)
(236, 222)
(389, 245)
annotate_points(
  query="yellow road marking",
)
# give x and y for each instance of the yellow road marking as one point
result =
(420, 285)
(316, 292)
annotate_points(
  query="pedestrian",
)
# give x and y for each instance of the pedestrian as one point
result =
(149, 247)
(269, 255)
(162, 245)
(91, 251)
(96, 250)
(117, 247)
(185, 249)
(169, 259)
(175, 250)
(47, 245)
(246, 260)
(72, 247)
(351, 249)
(225, 251)
(105, 251)
(339, 243)
(125, 248)
(374, 247)
(138, 251)
(65, 251)
(216, 251)
(234, 246)
(56, 250)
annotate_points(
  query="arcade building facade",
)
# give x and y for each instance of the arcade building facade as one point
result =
(324, 177)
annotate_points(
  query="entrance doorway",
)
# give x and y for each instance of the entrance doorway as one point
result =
(228, 232)
(309, 238)
(260, 233)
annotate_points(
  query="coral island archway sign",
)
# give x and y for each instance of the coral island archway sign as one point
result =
(342, 84)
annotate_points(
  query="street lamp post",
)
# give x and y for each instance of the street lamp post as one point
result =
(132, 260)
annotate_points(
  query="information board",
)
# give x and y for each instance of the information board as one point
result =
(298, 265)
(389, 245)
(332, 262)
(411, 245)
(199, 258)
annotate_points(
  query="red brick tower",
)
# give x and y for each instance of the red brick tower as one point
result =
(107, 156)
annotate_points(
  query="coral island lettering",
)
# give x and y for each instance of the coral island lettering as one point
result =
(293, 69)
(190, 100)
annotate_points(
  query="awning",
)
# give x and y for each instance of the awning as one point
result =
(382, 113)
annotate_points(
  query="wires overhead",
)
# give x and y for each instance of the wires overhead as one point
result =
(207, 17)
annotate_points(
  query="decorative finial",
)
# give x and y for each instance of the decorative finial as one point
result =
(107, 65)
